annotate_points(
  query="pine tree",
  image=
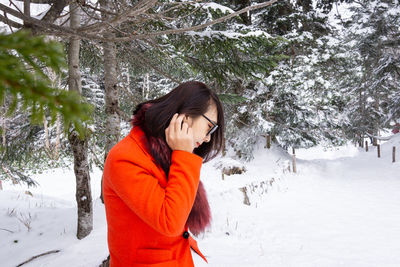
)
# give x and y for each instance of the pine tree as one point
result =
(373, 28)
(28, 94)
(296, 103)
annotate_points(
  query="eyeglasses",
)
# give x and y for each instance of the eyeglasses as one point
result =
(213, 128)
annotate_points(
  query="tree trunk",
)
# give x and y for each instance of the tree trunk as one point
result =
(47, 138)
(4, 126)
(58, 133)
(3, 131)
(27, 11)
(79, 145)
(362, 115)
(83, 193)
(112, 129)
(377, 123)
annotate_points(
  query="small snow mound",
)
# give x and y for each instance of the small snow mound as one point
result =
(394, 140)
(230, 166)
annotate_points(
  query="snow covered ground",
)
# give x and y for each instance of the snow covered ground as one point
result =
(342, 208)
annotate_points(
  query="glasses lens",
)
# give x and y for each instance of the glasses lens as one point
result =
(212, 130)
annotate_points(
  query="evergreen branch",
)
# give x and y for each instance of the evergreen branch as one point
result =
(155, 68)
(34, 86)
(194, 28)
(177, 5)
(231, 98)
(11, 173)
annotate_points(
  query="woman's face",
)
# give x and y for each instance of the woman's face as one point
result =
(201, 126)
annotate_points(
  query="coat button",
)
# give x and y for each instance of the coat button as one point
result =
(185, 235)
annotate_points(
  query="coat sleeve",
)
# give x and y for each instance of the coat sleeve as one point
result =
(165, 209)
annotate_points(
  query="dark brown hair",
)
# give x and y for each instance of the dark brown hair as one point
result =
(192, 98)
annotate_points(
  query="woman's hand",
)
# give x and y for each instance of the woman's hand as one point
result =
(179, 135)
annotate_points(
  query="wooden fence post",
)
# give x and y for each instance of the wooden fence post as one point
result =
(268, 141)
(379, 150)
(294, 163)
(394, 154)
(246, 200)
(366, 146)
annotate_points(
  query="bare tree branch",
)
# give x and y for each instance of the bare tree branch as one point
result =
(55, 10)
(56, 30)
(42, 24)
(102, 10)
(37, 256)
(10, 22)
(90, 16)
(39, 1)
(16, 7)
(7, 230)
(139, 8)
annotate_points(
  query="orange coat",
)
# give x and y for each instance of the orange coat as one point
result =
(146, 213)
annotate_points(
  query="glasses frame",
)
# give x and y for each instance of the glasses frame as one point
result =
(214, 128)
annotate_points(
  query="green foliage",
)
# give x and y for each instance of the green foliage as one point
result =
(231, 98)
(23, 59)
(226, 57)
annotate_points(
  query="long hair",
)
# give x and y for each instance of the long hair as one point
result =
(192, 98)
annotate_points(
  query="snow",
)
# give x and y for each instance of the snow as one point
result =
(339, 209)
(215, 7)
(228, 34)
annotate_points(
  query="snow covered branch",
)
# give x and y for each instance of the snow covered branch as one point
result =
(93, 31)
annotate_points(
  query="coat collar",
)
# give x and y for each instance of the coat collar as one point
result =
(139, 136)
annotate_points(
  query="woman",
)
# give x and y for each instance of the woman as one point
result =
(151, 182)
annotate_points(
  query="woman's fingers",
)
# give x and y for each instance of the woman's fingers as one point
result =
(178, 123)
(185, 127)
(179, 135)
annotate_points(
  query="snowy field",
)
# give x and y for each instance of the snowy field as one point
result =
(341, 208)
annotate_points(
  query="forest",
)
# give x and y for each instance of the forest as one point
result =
(302, 73)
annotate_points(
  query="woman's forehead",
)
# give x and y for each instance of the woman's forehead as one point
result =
(212, 113)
